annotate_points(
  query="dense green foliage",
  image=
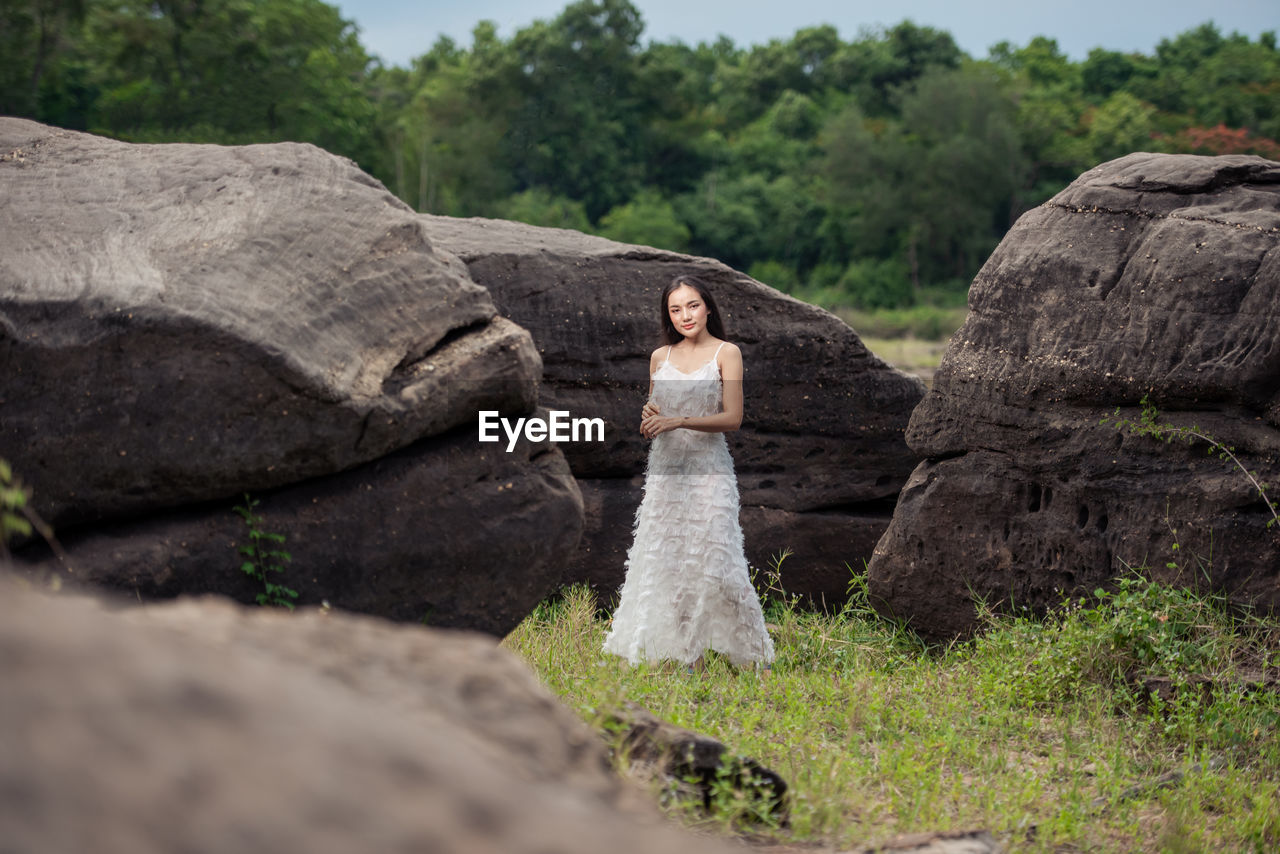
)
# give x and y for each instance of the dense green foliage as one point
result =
(869, 173)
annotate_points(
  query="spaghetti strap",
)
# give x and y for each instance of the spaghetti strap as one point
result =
(717, 352)
(668, 357)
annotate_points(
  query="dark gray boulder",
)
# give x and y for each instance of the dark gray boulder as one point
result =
(200, 726)
(1150, 275)
(442, 532)
(180, 324)
(820, 457)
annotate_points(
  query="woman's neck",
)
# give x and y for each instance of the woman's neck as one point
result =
(702, 338)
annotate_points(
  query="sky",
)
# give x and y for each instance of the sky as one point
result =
(398, 30)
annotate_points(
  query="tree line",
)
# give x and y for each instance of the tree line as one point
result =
(875, 172)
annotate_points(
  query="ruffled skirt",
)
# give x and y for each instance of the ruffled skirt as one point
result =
(687, 587)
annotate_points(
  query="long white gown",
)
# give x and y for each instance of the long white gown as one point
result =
(687, 587)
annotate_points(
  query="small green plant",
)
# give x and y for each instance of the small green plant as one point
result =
(1149, 424)
(1162, 630)
(262, 557)
(741, 798)
(768, 585)
(13, 508)
(17, 519)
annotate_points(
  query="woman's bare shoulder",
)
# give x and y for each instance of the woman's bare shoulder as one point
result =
(731, 350)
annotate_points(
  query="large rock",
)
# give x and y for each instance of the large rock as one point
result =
(820, 457)
(441, 533)
(200, 726)
(1150, 275)
(180, 324)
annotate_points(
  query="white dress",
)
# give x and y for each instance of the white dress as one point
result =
(687, 587)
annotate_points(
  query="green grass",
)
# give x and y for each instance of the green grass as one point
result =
(913, 355)
(927, 322)
(1032, 731)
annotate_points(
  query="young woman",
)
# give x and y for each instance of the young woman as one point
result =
(687, 587)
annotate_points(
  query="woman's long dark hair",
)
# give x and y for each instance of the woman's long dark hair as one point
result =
(715, 324)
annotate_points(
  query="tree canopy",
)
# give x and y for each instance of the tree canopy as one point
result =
(876, 171)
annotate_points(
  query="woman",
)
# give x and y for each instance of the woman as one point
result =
(687, 587)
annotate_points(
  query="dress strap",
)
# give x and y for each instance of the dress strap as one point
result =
(668, 358)
(717, 352)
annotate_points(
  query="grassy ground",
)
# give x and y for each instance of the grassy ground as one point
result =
(925, 322)
(912, 355)
(1032, 731)
(910, 339)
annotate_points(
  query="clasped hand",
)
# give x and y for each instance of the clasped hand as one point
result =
(654, 423)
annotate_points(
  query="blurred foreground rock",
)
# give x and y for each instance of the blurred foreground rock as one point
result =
(200, 726)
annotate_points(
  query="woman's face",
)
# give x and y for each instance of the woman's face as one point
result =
(687, 311)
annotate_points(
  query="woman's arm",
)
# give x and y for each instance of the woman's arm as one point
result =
(650, 409)
(730, 416)
(653, 369)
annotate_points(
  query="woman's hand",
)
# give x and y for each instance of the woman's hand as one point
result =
(656, 425)
(648, 413)
(653, 423)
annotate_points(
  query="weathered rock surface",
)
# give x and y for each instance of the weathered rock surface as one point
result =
(1150, 275)
(180, 324)
(201, 726)
(820, 458)
(442, 532)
